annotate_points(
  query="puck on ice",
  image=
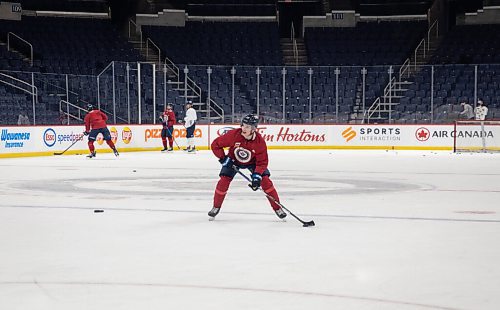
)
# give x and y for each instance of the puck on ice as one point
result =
(98, 211)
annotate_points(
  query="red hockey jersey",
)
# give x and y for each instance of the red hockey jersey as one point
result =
(168, 118)
(242, 151)
(95, 119)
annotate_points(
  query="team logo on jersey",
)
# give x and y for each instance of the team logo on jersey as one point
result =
(242, 155)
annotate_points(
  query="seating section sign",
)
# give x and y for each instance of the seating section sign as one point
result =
(46, 140)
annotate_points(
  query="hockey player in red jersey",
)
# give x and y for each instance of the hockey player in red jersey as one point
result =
(95, 123)
(247, 150)
(168, 120)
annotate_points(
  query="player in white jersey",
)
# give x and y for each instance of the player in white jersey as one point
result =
(190, 124)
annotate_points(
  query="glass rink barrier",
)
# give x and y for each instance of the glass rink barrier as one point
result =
(137, 92)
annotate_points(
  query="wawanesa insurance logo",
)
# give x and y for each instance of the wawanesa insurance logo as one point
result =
(14, 139)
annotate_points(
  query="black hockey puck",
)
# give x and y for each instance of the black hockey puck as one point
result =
(98, 211)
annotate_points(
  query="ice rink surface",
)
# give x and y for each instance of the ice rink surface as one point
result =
(394, 230)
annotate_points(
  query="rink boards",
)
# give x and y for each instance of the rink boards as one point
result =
(45, 140)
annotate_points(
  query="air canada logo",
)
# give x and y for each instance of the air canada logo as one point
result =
(349, 134)
(422, 134)
(242, 155)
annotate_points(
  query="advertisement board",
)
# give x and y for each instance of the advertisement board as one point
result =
(40, 140)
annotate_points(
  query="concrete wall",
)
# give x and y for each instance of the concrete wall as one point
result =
(10, 10)
(489, 15)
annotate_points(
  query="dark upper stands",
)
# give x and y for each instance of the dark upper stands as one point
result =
(369, 43)
(472, 44)
(232, 43)
(71, 45)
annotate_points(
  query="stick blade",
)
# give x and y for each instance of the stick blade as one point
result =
(309, 224)
(58, 153)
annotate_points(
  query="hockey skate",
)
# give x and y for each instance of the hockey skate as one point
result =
(164, 150)
(115, 151)
(187, 149)
(192, 150)
(170, 149)
(280, 213)
(91, 155)
(212, 213)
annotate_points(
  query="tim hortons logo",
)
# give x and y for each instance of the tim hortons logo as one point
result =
(287, 134)
(349, 134)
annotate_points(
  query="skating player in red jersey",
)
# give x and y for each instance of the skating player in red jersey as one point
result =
(247, 150)
(95, 123)
(168, 120)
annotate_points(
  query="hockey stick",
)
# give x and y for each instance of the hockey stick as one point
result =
(304, 224)
(74, 142)
(173, 138)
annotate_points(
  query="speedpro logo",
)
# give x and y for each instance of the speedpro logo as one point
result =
(349, 134)
(49, 137)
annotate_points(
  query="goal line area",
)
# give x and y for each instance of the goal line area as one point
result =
(476, 136)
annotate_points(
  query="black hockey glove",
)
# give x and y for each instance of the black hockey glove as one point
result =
(226, 162)
(256, 179)
(86, 133)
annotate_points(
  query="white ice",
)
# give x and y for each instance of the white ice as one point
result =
(394, 230)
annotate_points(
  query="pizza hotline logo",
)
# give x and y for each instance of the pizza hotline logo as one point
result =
(126, 135)
(155, 133)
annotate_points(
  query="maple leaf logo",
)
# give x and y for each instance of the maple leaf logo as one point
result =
(422, 134)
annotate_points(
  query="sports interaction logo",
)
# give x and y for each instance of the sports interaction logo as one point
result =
(349, 134)
(422, 134)
(126, 135)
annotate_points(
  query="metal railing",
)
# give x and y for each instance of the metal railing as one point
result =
(435, 26)
(131, 22)
(377, 104)
(9, 34)
(32, 90)
(80, 111)
(148, 40)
